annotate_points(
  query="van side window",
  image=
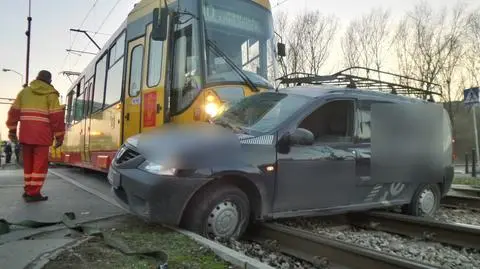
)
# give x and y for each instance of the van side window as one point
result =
(364, 128)
(331, 122)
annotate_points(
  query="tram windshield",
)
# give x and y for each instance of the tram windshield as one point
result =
(243, 31)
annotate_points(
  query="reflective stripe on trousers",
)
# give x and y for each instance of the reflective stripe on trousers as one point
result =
(35, 167)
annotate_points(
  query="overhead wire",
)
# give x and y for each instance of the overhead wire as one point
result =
(100, 27)
(76, 33)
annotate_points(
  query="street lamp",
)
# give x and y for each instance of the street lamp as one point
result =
(11, 70)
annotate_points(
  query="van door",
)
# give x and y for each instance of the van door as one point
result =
(133, 87)
(322, 175)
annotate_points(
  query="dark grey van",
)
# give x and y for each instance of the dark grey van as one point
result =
(303, 151)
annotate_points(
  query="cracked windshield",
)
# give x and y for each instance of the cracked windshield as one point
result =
(226, 134)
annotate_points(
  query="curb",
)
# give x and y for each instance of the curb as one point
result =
(46, 257)
(227, 254)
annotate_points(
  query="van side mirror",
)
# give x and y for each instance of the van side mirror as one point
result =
(302, 137)
(281, 49)
(160, 21)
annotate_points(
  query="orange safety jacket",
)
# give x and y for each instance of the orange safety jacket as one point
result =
(40, 114)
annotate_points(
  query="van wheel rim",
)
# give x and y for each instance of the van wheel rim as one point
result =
(223, 220)
(427, 202)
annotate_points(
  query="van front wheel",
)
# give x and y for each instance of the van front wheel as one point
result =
(220, 211)
(425, 201)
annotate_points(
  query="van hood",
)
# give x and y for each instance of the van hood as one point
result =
(188, 147)
(41, 88)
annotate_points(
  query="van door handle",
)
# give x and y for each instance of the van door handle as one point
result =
(127, 116)
(159, 108)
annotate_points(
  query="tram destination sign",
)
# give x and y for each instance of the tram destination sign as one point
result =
(231, 19)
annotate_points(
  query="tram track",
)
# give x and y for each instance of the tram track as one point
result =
(459, 201)
(416, 227)
(312, 247)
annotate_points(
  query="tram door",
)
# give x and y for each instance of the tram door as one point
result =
(133, 86)
(153, 86)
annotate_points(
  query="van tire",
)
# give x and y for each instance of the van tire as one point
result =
(218, 211)
(425, 201)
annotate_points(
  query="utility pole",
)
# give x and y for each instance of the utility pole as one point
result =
(28, 33)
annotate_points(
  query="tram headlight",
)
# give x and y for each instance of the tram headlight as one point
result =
(157, 169)
(212, 109)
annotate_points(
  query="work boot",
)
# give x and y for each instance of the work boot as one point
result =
(35, 198)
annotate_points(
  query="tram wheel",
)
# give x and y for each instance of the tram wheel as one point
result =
(222, 211)
(425, 201)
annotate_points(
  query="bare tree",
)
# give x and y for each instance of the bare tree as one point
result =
(308, 38)
(319, 33)
(365, 42)
(473, 52)
(427, 42)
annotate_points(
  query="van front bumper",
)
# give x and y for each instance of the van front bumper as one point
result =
(154, 198)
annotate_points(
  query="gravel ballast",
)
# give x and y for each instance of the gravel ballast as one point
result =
(411, 248)
(464, 216)
(415, 249)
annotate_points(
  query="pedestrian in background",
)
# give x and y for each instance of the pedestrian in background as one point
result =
(17, 152)
(41, 118)
(8, 152)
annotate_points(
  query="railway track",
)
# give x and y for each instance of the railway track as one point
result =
(467, 202)
(457, 235)
(313, 248)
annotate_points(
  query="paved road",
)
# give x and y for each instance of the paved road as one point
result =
(63, 197)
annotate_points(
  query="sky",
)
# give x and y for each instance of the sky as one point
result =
(52, 19)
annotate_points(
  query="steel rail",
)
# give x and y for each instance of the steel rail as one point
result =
(310, 247)
(467, 202)
(465, 190)
(458, 235)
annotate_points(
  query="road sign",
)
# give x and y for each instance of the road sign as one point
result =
(471, 96)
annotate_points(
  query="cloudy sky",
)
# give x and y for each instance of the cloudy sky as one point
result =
(52, 20)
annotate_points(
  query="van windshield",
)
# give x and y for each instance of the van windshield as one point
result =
(261, 113)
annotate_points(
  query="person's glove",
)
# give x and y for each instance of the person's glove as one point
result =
(58, 143)
(12, 137)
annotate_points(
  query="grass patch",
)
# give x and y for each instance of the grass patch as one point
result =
(467, 180)
(182, 252)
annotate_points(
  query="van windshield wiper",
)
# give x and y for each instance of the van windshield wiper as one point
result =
(226, 124)
(229, 61)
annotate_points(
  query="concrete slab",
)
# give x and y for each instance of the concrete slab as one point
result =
(63, 197)
(19, 254)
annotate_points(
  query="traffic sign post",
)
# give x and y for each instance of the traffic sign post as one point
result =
(471, 98)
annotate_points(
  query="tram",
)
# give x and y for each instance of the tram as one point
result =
(180, 61)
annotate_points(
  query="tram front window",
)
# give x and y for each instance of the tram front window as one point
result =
(243, 31)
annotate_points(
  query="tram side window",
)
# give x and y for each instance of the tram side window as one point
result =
(331, 122)
(136, 64)
(79, 107)
(69, 116)
(113, 91)
(99, 89)
(154, 62)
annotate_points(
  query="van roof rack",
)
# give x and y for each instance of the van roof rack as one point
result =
(365, 78)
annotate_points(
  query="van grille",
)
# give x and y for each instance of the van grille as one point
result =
(127, 155)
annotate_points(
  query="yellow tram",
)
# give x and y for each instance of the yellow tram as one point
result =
(176, 61)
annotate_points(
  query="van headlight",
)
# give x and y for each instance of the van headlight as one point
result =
(157, 169)
(133, 141)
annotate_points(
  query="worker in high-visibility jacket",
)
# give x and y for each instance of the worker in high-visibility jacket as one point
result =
(41, 118)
